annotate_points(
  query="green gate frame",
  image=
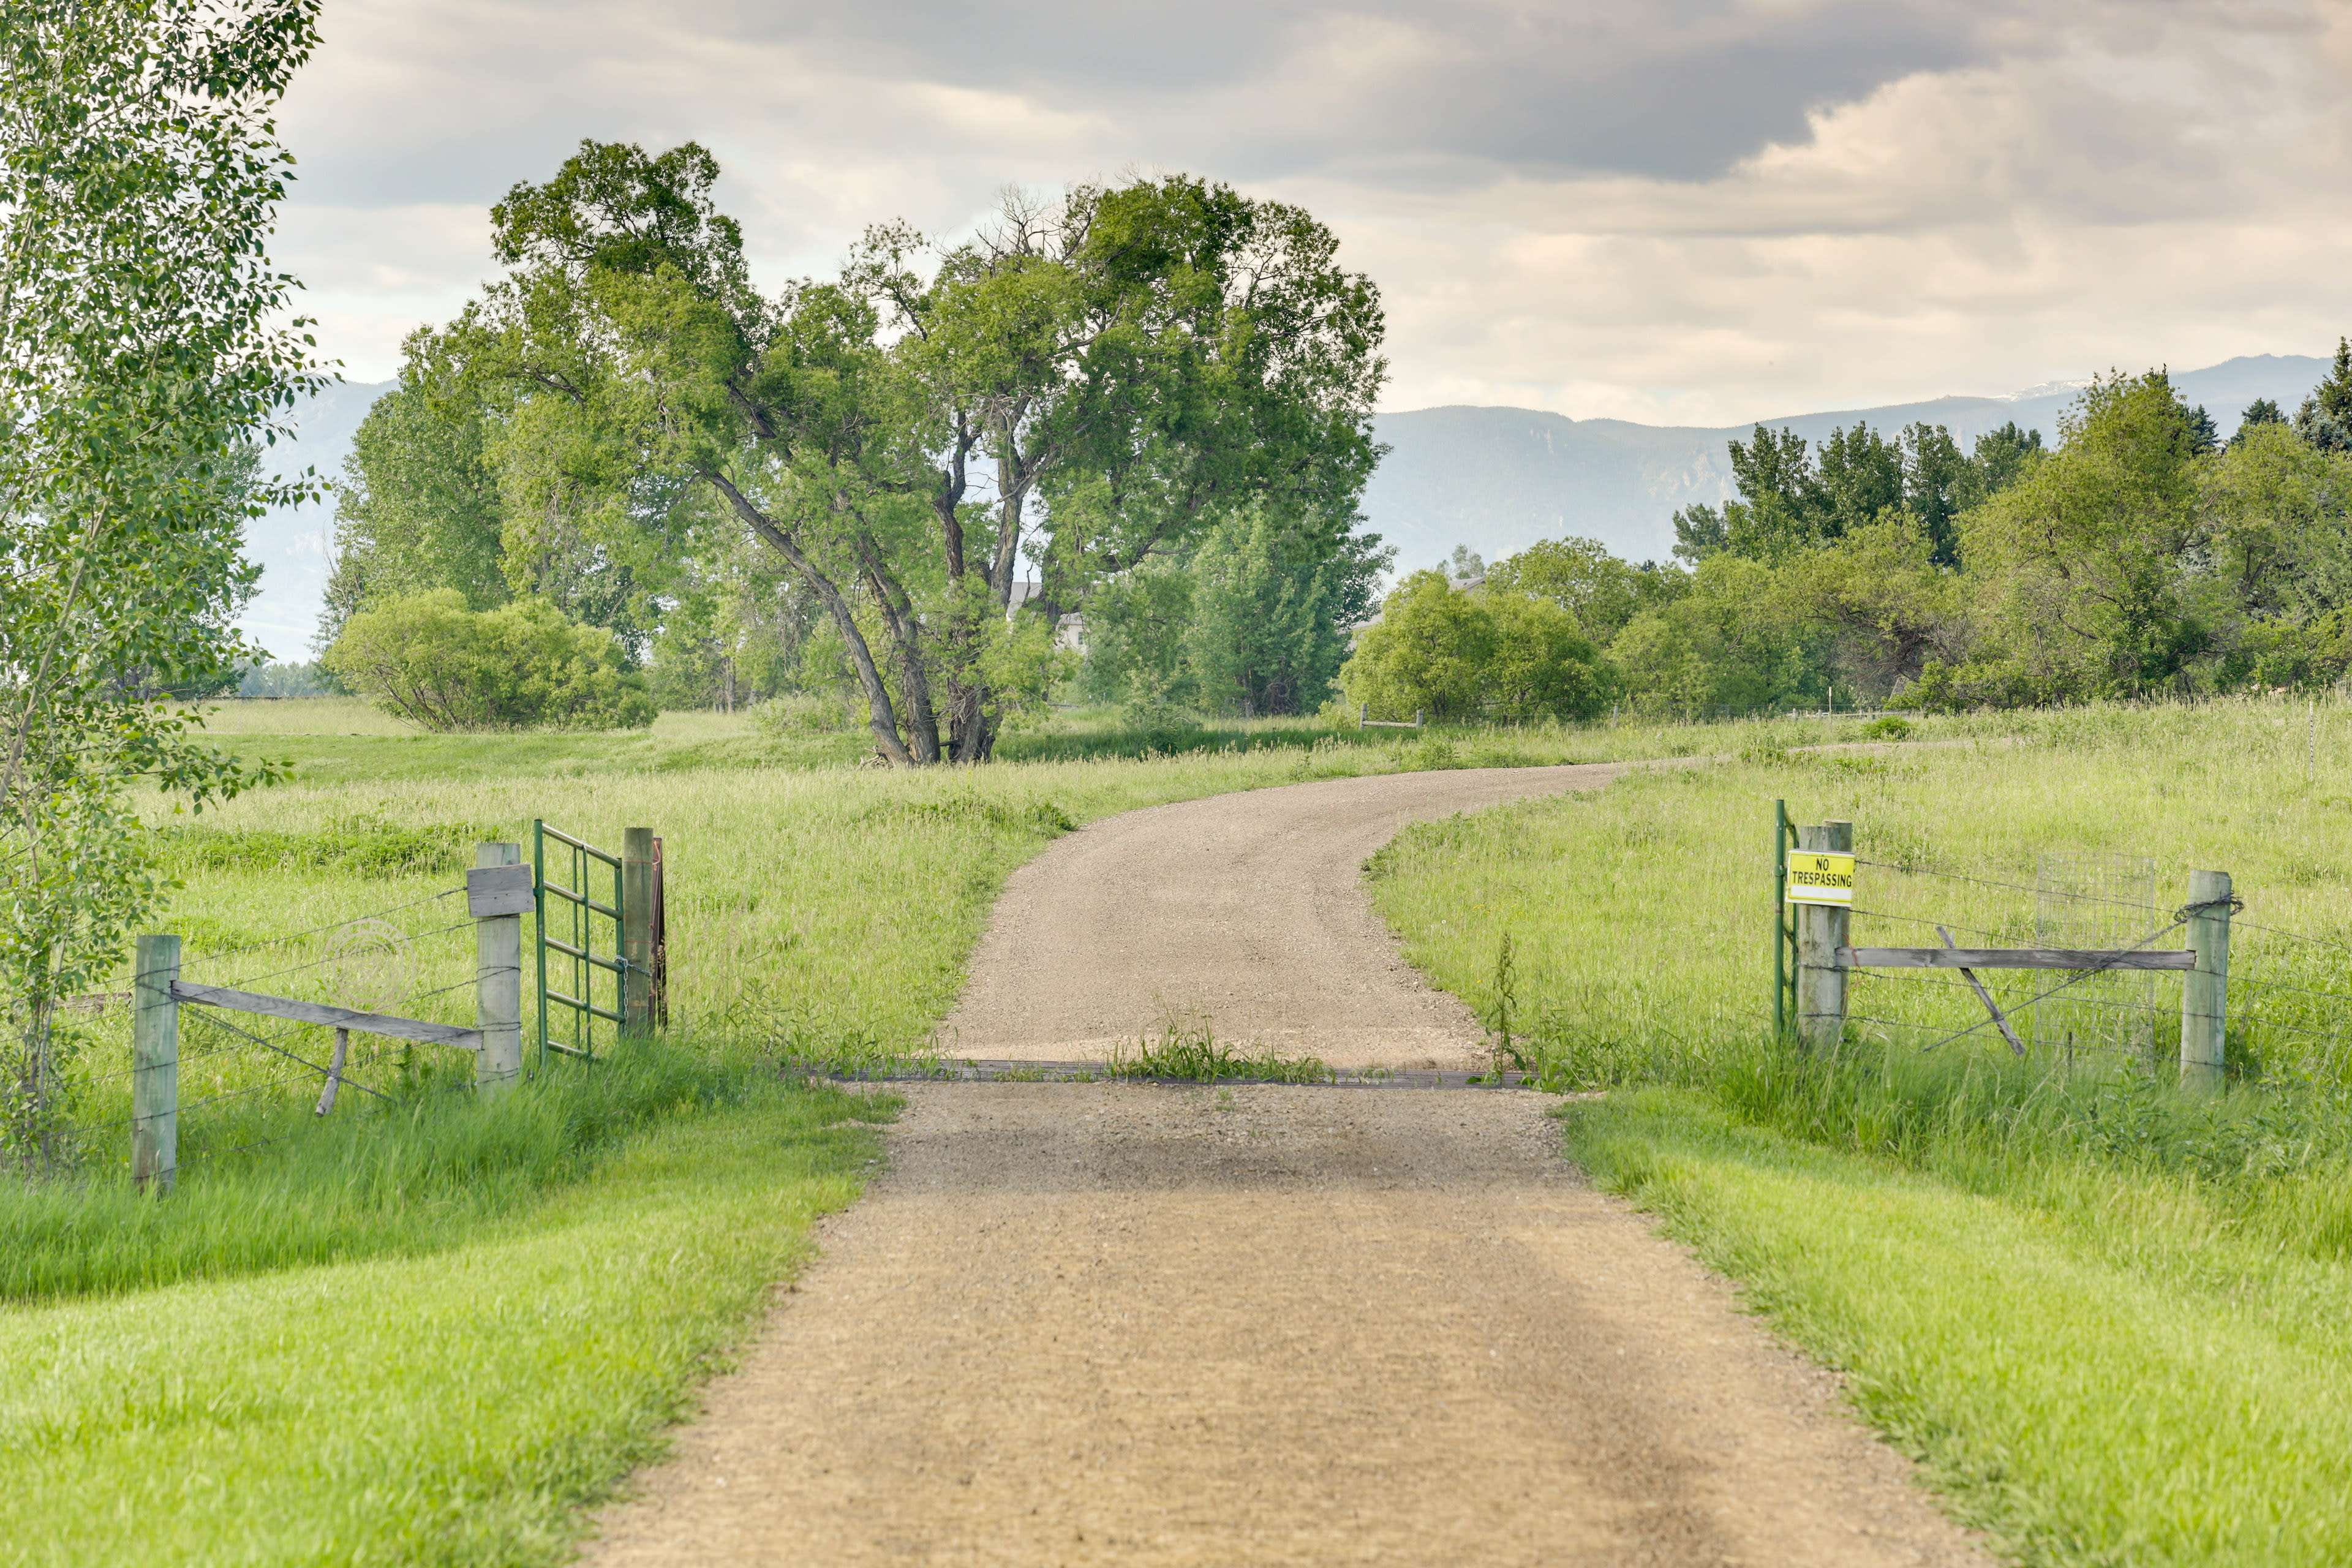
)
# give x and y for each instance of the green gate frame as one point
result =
(581, 911)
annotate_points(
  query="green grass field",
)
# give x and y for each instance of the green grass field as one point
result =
(427, 1330)
(2109, 1317)
(452, 1400)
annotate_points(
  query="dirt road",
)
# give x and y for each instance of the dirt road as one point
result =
(1097, 1324)
(1246, 911)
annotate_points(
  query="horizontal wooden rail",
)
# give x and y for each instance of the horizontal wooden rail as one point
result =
(2011, 958)
(331, 1017)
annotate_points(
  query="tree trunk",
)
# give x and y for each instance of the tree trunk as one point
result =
(914, 682)
(880, 716)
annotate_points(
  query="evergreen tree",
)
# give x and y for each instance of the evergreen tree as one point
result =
(2260, 412)
(2203, 435)
(1934, 477)
(2326, 418)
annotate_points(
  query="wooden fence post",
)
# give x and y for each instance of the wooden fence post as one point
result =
(155, 1065)
(1822, 930)
(1363, 716)
(637, 931)
(497, 983)
(2205, 990)
(1779, 921)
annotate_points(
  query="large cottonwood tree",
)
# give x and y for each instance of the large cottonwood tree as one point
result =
(1084, 384)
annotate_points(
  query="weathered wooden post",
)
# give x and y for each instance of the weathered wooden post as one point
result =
(499, 890)
(637, 931)
(155, 1065)
(1779, 920)
(2205, 990)
(1363, 716)
(1821, 929)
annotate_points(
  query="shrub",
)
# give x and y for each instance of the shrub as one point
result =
(1450, 653)
(429, 659)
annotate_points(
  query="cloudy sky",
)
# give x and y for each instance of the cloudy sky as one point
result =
(1673, 211)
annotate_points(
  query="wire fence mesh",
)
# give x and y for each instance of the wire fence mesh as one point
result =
(2102, 902)
(2289, 998)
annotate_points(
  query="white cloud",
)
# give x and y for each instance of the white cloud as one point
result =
(1688, 210)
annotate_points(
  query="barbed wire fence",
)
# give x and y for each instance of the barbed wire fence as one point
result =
(247, 1081)
(2289, 1006)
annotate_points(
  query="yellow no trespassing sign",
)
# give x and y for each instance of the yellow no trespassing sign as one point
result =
(1817, 879)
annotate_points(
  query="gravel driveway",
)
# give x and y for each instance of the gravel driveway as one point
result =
(1119, 1323)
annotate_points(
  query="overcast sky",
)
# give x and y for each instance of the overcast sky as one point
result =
(1673, 211)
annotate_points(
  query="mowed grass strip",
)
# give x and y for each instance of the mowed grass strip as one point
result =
(455, 1407)
(2085, 1407)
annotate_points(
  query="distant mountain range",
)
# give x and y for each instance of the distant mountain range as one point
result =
(1495, 480)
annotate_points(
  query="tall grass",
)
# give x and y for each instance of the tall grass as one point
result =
(450, 1406)
(2110, 1316)
(405, 1176)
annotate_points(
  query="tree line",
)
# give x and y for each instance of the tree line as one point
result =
(2138, 556)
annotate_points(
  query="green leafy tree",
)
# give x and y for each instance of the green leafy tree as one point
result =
(1428, 653)
(1792, 501)
(1086, 383)
(1935, 483)
(1263, 638)
(1700, 530)
(1727, 644)
(1783, 504)
(2278, 516)
(1861, 478)
(138, 363)
(417, 510)
(1600, 591)
(1543, 665)
(1883, 600)
(1450, 652)
(2088, 556)
(1135, 628)
(1998, 459)
(431, 660)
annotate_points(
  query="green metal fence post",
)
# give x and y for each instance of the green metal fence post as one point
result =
(539, 932)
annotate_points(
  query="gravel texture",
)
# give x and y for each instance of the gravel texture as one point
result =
(1120, 1323)
(1110, 1323)
(1243, 911)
